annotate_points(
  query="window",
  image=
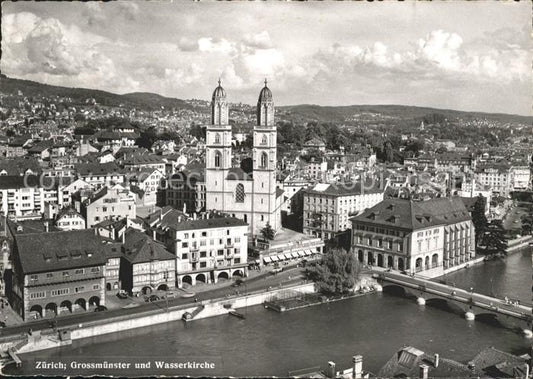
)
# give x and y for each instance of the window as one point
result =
(203, 254)
(185, 244)
(96, 286)
(80, 271)
(59, 292)
(184, 256)
(217, 139)
(264, 139)
(49, 275)
(239, 193)
(79, 289)
(38, 295)
(203, 264)
(218, 158)
(237, 260)
(220, 252)
(95, 269)
(264, 160)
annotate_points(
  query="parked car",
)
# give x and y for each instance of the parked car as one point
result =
(2, 324)
(238, 283)
(122, 294)
(152, 298)
(100, 308)
(277, 270)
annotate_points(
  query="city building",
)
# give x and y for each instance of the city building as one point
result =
(207, 249)
(146, 265)
(187, 189)
(248, 193)
(327, 208)
(497, 176)
(431, 237)
(521, 178)
(112, 203)
(57, 273)
(69, 219)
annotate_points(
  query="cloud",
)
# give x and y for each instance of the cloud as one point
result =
(187, 44)
(258, 41)
(215, 44)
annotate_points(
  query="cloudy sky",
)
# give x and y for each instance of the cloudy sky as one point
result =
(459, 55)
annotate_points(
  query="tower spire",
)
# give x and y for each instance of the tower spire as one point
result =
(265, 82)
(219, 81)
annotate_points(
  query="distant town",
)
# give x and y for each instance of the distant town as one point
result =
(113, 206)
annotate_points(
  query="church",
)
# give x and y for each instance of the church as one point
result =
(248, 193)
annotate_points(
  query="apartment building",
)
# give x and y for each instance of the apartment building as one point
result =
(110, 203)
(327, 208)
(206, 250)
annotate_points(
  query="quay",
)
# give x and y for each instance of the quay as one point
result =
(48, 339)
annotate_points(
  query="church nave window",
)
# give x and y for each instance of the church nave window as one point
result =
(239, 193)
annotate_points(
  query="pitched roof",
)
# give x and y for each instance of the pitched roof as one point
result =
(237, 173)
(97, 168)
(496, 363)
(342, 189)
(45, 252)
(139, 248)
(217, 221)
(406, 363)
(413, 215)
(18, 166)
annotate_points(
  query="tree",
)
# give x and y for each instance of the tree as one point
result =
(495, 239)
(527, 224)
(147, 138)
(478, 218)
(267, 232)
(337, 272)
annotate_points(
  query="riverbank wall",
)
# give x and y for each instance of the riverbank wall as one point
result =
(518, 243)
(204, 309)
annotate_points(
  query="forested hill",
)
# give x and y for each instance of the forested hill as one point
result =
(342, 113)
(140, 100)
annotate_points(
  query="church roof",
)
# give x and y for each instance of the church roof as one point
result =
(265, 93)
(219, 91)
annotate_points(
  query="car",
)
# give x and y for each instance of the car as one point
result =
(100, 308)
(2, 324)
(152, 298)
(277, 270)
(238, 283)
(122, 294)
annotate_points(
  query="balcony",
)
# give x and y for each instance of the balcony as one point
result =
(194, 258)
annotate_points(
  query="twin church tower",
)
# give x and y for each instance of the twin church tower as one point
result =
(248, 193)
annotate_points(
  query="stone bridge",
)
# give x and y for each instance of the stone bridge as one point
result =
(473, 304)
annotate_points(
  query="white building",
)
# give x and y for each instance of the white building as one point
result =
(206, 249)
(328, 207)
(113, 203)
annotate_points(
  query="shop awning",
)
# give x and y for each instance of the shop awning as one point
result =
(267, 260)
(281, 257)
(274, 258)
(308, 252)
(301, 254)
(288, 255)
(294, 254)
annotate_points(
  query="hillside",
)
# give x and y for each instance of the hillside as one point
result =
(140, 100)
(341, 113)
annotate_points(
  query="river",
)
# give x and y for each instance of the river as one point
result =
(268, 343)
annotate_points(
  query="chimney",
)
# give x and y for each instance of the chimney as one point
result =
(357, 366)
(124, 236)
(331, 369)
(423, 371)
(436, 360)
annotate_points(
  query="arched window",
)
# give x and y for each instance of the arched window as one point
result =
(264, 160)
(218, 158)
(264, 139)
(239, 193)
(217, 139)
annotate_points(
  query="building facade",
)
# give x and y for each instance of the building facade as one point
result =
(208, 249)
(57, 273)
(327, 208)
(250, 195)
(109, 204)
(428, 237)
